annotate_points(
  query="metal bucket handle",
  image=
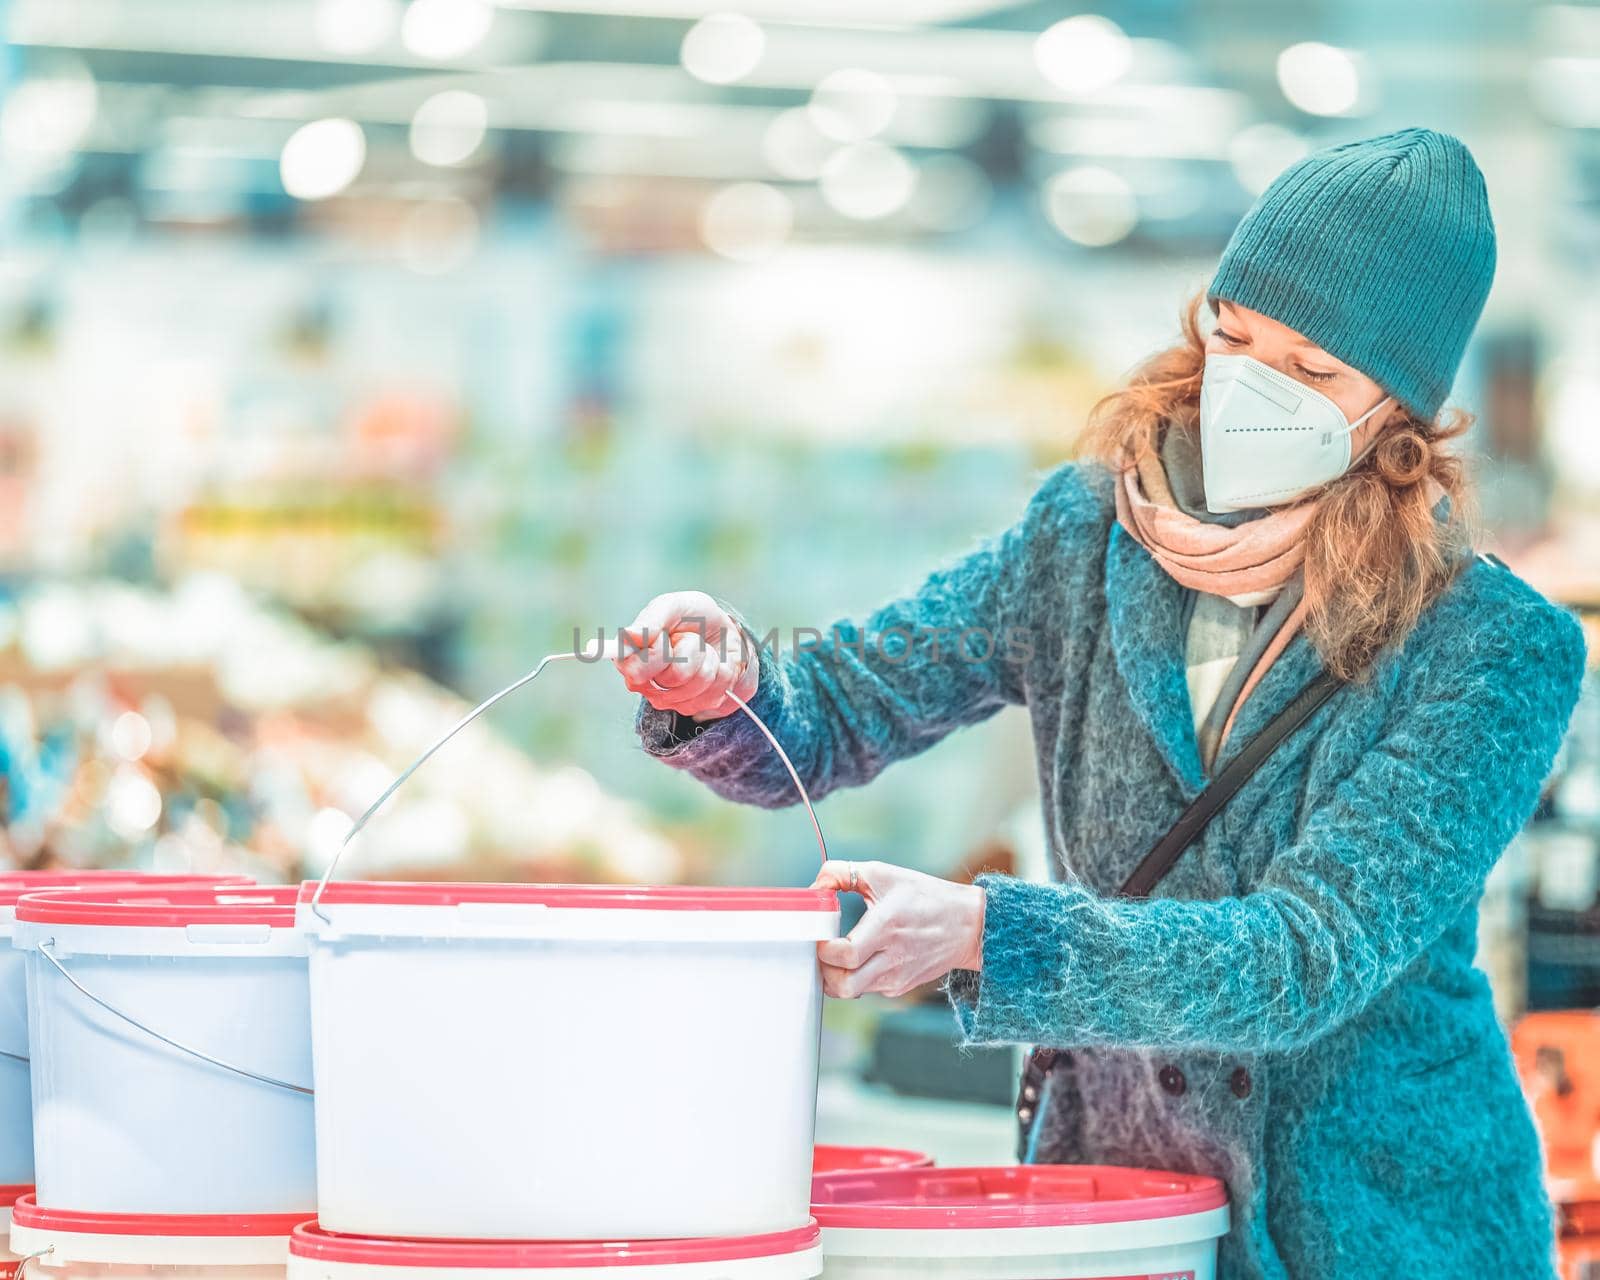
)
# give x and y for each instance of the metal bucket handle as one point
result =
(794, 774)
(258, 1077)
(48, 954)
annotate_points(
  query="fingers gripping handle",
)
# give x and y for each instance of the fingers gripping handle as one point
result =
(520, 682)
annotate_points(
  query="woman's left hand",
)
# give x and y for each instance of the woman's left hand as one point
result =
(917, 928)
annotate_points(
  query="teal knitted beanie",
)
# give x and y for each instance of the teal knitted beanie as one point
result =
(1380, 251)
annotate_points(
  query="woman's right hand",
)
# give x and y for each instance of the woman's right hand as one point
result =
(686, 653)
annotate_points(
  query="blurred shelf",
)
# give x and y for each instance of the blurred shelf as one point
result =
(953, 1133)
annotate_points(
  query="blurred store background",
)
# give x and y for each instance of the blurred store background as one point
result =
(354, 352)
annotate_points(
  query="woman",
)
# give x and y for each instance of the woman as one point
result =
(1294, 1009)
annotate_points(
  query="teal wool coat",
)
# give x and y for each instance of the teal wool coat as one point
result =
(1295, 1010)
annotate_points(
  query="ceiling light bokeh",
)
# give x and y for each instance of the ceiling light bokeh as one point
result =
(449, 127)
(746, 221)
(793, 145)
(852, 105)
(1320, 79)
(444, 30)
(1091, 205)
(867, 181)
(722, 48)
(355, 27)
(49, 116)
(1083, 54)
(322, 158)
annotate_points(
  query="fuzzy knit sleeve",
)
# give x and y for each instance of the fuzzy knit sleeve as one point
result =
(866, 694)
(1402, 846)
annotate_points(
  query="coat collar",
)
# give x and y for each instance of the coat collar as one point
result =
(1145, 607)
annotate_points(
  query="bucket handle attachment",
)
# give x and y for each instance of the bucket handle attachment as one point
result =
(48, 954)
(22, 1263)
(529, 678)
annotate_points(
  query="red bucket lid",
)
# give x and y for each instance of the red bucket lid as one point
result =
(588, 897)
(311, 1241)
(13, 884)
(28, 1214)
(156, 907)
(1015, 1196)
(828, 1159)
(9, 1195)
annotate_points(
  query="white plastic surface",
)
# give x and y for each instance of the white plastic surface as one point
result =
(531, 921)
(794, 1266)
(569, 1088)
(16, 1099)
(8, 1260)
(125, 1124)
(1169, 1248)
(70, 1255)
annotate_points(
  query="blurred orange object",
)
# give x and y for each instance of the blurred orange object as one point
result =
(1558, 1058)
(1578, 1227)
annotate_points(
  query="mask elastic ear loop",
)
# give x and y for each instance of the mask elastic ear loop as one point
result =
(1350, 428)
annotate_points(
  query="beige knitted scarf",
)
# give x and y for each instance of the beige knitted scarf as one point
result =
(1249, 563)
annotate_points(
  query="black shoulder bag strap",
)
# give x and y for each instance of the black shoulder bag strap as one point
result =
(1221, 789)
(1167, 850)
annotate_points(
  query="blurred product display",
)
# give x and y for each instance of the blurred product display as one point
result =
(196, 730)
(1557, 866)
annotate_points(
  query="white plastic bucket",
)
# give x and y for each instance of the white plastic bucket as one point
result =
(93, 1246)
(315, 1254)
(8, 1260)
(1028, 1222)
(125, 1120)
(519, 1062)
(16, 1098)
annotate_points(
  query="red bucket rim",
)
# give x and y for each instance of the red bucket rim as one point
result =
(587, 897)
(311, 1241)
(161, 907)
(26, 1213)
(1009, 1196)
(15, 884)
(830, 1158)
(11, 1193)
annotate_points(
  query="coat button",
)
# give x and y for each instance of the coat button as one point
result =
(1025, 1115)
(1239, 1082)
(1172, 1080)
(1044, 1059)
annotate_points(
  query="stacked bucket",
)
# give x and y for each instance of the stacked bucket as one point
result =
(543, 1081)
(444, 1077)
(154, 1152)
(380, 1081)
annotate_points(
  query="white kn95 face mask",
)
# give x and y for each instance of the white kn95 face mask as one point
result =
(1266, 439)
